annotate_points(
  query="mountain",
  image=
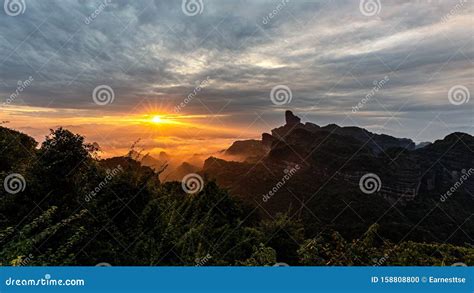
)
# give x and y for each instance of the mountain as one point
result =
(169, 168)
(179, 172)
(314, 173)
(247, 150)
(59, 196)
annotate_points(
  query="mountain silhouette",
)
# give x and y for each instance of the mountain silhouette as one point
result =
(332, 161)
(304, 195)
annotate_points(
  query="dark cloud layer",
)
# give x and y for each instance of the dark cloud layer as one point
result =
(327, 52)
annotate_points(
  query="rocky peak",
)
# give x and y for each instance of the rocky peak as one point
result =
(267, 140)
(291, 119)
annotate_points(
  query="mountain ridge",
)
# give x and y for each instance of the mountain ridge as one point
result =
(333, 160)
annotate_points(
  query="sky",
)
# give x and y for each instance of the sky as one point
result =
(218, 71)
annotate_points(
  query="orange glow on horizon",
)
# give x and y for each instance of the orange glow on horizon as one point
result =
(181, 135)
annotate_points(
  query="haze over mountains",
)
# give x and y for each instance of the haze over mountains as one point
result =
(331, 160)
(298, 201)
(373, 165)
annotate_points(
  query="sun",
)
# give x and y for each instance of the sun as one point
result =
(156, 119)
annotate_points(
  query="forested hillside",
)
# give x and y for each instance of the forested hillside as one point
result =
(62, 205)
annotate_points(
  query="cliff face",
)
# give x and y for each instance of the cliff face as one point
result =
(304, 135)
(332, 160)
(247, 150)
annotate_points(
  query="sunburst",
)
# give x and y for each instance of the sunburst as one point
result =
(156, 119)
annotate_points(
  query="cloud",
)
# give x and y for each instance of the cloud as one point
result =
(327, 52)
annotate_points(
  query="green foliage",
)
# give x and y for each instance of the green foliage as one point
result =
(284, 235)
(16, 149)
(261, 256)
(371, 250)
(79, 210)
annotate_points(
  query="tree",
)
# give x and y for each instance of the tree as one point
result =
(16, 149)
(261, 256)
(285, 236)
(79, 210)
